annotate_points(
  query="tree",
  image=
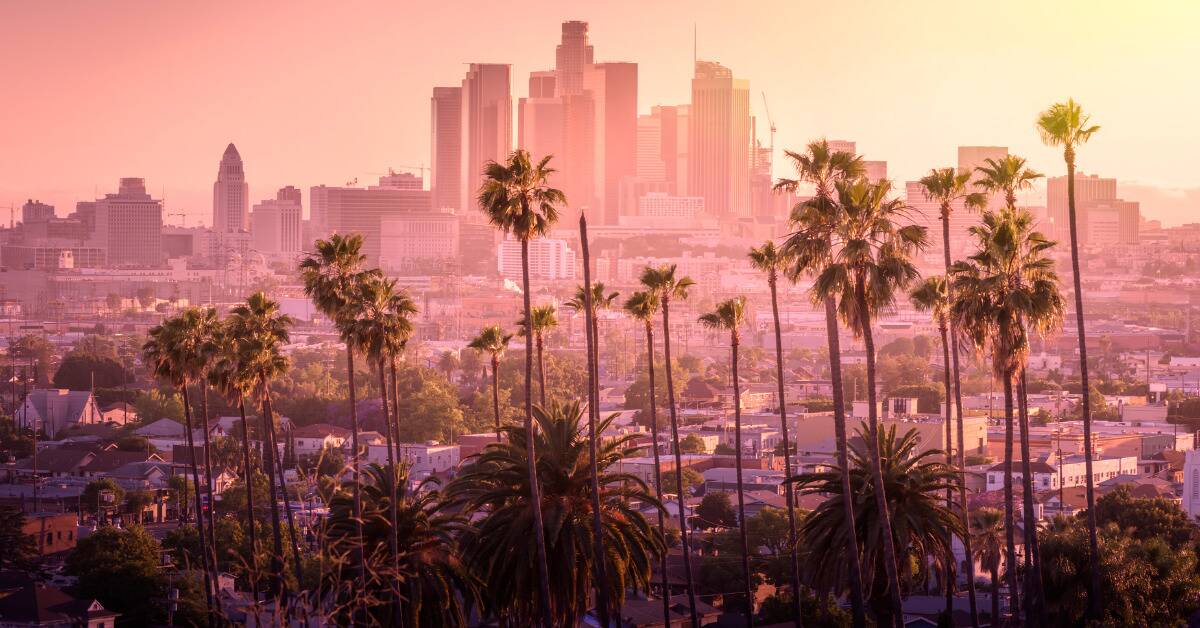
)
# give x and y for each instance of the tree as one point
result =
(99, 495)
(83, 371)
(809, 247)
(693, 444)
(493, 341)
(987, 535)
(37, 353)
(332, 275)
(912, 482)
(691, 479)
(1065, 125)
(663, 283)
(730, 316)
(544, 319)
(136, 502)
(501, 548)
(155, 404)
(120, 568)
(715, 510)
(15, 441)
(17, 549)
(1147, 518)
(1006, 290)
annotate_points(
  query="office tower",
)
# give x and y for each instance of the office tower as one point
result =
(399, 181)
(613, 89)
(128, 226)
(1096, 201)
(842, 146)
(649, 164)
(875, 171)
(660, 205)
(486, 125)
(719, 144)
(540, 122)
(571, 57)
(231, 195)
(275, 224)
(549, 259)
(357, 210)
(541, 83)
(445, 178)
(36, 212)
(420, 242)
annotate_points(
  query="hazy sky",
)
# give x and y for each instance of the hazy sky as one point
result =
(319, 92)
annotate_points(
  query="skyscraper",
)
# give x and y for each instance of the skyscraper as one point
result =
(571, 57)
(231, 195)
(486, 125)
(719, 144)
(445, 180)
(358, 210)
(540, 122)
(613, 90)
(1101, 217)
(128, 225)
(275, 223)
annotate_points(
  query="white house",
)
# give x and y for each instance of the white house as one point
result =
(313, 439)
(54, 409)
(422, 458)
(1072, 469)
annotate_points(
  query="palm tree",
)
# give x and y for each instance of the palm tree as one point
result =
(493, 341)
(332, 274)
(665, 286)
(1066, 125)
(1005, 290)
(729, 316)
(261, 331)
(931, 296)
(869, 262)
(499, 546)
(987, 534)
(430, 572)
(643, 306)
(518, 200)
(771, 260)
(949, 188)
(912, 480)
(809, 247)
(544, 319)
(173, 358)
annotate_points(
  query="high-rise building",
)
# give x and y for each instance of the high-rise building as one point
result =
(275, 223)
(842, 146)
(613, 89)
(486, 125)
(128, 226)
(420, 242)
(540, 122)
(650, 165)
(445, 180)
(362, 211)
(36, 211)
(875, 171)
(1095, 201)
(970, 158)
(719, 141)
(549, 259)
(231, 194)
(571, 57)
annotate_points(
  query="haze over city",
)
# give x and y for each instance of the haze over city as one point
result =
(599, 314)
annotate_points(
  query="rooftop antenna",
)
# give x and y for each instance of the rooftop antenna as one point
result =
(694, 39)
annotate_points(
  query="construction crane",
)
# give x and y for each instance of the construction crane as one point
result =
(770, 122)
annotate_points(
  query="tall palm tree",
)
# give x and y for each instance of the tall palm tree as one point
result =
(809, 247)
(730, 316)
(431, 573)
(174, 358)
(870, 261)
(663, 283)
(205, 328)
(493, 341)
(261, 330)
(1004, 291)
(643, 306)
(544, 319)
(987, 533)
(769, 259)
(1066, 125)
(517, 199)
(949, 188)
(930, 295)
(601, 299)
(500, 546)
(332, 275)
(912, 480)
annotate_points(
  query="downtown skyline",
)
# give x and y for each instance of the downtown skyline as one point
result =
(354, 108)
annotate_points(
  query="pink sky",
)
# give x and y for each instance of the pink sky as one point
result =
(318, 92)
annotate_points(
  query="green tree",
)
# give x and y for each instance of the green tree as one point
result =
(83, 371)
(493, 341)
(544, 319)
(14, 441)
(715, 510)
(691, 479)
(34, 352)
(95, 496)
(155, 404)
(1147, 518)
(987, 535)
(120, 568)
(17, 549)
(693, 444)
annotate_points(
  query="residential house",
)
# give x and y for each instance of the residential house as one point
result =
(52, 532)
(54, 409)
(47, 607)
(313, 439)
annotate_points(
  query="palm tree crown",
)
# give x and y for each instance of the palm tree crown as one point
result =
(1007, 175)
(491, 340)
(516, 197)
(1064, 124)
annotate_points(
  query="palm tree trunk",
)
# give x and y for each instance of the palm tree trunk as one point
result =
(1033, 577)
(853, 555)
(593, 349)
(1009, 518)
(949, 573)
(248, 480)
(541, 369)
(885, 518)
(1095, 594)
(270, 450)
(359, 557)
(996, 594)
(790, 496)
(287, 503)
(683, 531)
(958, 409)
(496, 392)
(666, 598)
(208, 486)
(535, 493)
(394, 537)
(741, 493)
(209, 580)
